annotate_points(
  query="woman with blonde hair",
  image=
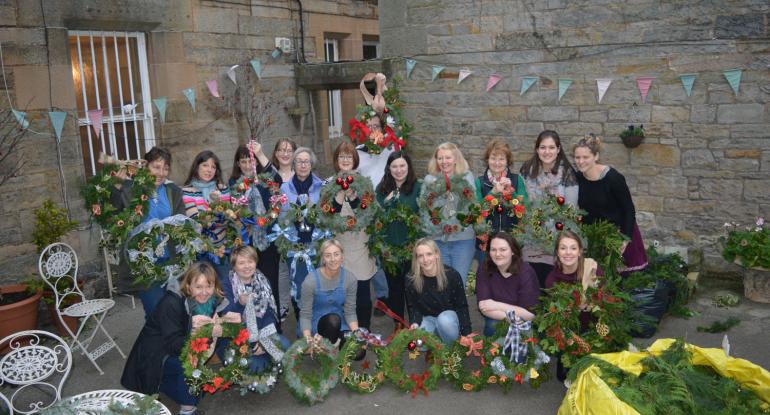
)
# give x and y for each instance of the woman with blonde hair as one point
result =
(435, 295)
(457, 249)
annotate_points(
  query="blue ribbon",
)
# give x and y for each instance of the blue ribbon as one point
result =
(304, 255)
(288, 232)
(245, 230)
(211, 257)
(321, 234)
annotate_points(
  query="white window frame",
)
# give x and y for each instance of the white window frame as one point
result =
(334, 97)
(374, 43)
(114, 116)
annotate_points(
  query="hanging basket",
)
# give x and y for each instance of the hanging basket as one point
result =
(632, 141)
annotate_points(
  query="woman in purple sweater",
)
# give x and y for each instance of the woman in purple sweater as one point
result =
(505, 282)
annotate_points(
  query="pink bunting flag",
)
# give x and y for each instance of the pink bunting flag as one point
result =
(644, 83)
(213, 88)
(493, 80)
(95, 116)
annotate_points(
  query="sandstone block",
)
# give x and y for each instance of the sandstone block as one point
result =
(670, 113)
(729, 190)
(745, 26)
(656, 155)
(553, 113)
(741, 113)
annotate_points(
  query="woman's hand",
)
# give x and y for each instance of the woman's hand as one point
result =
(486, 306)
(414, 326)
(216, 331)
(255, 147)
(214, 196)
(502, 185)
(200, 321)
(243, 298)
(258, 350)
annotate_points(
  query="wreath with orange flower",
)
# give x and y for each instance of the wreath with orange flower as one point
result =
(97, 192)
(263, 220)
(328, 218)
(471, 347)
(445, 205)
(198, 349)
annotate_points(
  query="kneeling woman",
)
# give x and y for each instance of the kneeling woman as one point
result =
(154, 364)
(505, 282)
(329, 296)
(435, 296)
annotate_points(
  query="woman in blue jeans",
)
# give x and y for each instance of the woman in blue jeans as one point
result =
(435, 296)
(457, 249)
(504, 282)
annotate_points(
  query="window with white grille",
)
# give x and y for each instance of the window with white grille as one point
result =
(334, 97)
(109, 70)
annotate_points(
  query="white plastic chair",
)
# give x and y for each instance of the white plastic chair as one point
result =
(37, 364)
(59, 268)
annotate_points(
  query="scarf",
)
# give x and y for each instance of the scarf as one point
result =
(198, 309)
(260, 299)
(204, 187)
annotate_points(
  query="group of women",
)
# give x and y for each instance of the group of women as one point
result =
(337, 296)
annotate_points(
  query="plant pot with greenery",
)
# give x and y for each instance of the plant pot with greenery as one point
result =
(35, 284)
(633, 136)
(749, 247)
(18, 310)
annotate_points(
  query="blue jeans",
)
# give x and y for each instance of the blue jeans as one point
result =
(458, 255)
(380, 284)
(490, 325)
(173, 383)
(259, 364)
(446, 325)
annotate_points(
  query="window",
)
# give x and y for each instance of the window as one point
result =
(109, 70)
(371, 49)
(334, 98)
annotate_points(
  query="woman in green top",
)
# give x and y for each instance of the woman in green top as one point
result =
(399, 186)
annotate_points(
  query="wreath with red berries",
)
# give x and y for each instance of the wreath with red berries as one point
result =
(96, 195)
(197, 350)
(545, 219)
(415, 342)
(263, 220)
(472, 346)
(329, 218)
(445, 205)
(559, 319)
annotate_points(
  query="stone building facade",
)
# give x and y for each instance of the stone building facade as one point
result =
(187, 43)
(706, 157)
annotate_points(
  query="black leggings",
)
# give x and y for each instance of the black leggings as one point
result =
(330, 327)
(396, 300)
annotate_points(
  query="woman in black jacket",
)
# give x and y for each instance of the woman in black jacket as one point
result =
(154, 365)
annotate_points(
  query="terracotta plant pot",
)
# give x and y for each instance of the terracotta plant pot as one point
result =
(632, 141)
(19, 316)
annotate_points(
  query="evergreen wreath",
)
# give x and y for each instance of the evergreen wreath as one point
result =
(234, 218)
(262, 220)
(146, 248)
(535, 370)
(392, 256)
(360, 381)
(96, 195)
(262, 383)
(414, 340)
(559, 319)
(544, 220)
(470, 347)
(311, 388)
(367, 208)
(396, 129)
(195, 353)
(445, 205)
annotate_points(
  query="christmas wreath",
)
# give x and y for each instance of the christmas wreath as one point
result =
(392, 256)
(361, 382)
(311, 388)
(545, 219)
(467, 347)
(266, 219)
(559, 319)
(198, 349)
(261, 383)
(150, 243)
(521, 359)
(362, 216)
(415, 341)
(234, 218)
(444, 205)
(96, 195)
(387, 106)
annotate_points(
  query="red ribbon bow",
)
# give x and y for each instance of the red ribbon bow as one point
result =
(473, 347)
(419, 383)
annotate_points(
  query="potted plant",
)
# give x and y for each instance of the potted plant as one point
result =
(51, 223)
(18, 310)
(749, 247)
(633, 136)
(36, 284)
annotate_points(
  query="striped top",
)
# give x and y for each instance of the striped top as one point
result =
(194, 202)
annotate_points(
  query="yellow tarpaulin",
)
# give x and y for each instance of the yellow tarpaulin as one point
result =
(589, 395)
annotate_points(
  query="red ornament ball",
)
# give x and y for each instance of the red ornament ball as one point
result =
(411, 346)
(340, 181)
(363, 205)
(559, 225)
(332, 210)
(499, 209)
(345, 186)
(560, 200)
(579, 219)
(349, 179)
(386, 110)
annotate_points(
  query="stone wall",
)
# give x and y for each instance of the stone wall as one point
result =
(706, 157)
(188, 42)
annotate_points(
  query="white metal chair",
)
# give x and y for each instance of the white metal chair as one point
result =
(58, 267)
(37, 365)
(8, 407)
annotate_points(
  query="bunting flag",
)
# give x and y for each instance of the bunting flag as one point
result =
(526, 82)
(493, 80)
(410, 67)
(464, 73)
(276, 53)
(213, 87)
(435, 71)
(95, 116)
(57, 121)
(189, 93)
(602, 85)
(644, 83)
(231, 73)
(564, 84)
(733, 77)
(161, 104)
(21, 118)
(687, 82)
(257, 65)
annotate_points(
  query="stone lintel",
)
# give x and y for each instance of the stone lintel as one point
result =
(338, 75)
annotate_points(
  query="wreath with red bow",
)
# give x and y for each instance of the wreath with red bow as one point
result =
(473, 346)
(415, 342)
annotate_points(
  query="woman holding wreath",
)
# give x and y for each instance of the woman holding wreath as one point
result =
(166, 201)
(456, 243)
(399, 187)
(329, 296)
(435, 295)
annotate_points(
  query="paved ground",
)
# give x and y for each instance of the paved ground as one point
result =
(749, 340)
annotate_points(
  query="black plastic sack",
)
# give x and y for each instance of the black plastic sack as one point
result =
(650, 305)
